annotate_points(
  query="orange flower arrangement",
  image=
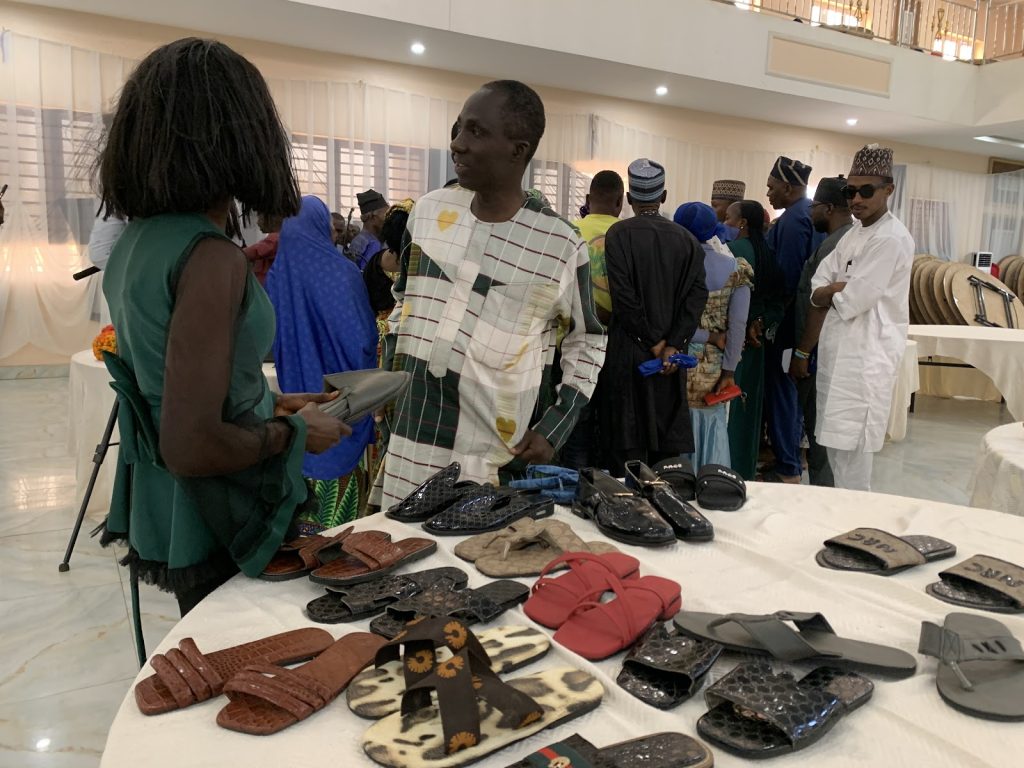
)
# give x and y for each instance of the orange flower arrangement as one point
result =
(105, 340)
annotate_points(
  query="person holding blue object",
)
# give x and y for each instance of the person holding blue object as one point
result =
(656, 281)
(324, 325)
(792, 239)
(724, 193)
(718, 342)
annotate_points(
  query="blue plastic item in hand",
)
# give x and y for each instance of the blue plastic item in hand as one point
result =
(651, 367)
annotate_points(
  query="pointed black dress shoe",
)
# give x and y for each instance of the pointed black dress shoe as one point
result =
(618, 512)
(435, 495)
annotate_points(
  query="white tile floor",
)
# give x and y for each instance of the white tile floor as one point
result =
(66, 649)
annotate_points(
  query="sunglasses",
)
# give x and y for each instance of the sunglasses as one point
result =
(866, 191)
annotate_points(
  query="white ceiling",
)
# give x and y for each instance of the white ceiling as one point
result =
(307, 26)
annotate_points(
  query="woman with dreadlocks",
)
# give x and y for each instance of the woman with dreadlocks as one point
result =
(210, 468)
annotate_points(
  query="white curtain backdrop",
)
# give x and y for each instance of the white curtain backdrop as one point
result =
(350, 136)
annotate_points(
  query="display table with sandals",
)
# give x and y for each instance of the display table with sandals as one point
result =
(636, 626)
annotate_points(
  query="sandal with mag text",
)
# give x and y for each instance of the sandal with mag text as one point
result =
(476, 713)
(870, 550)
(982, 582)
(377, 692)
(756, 713)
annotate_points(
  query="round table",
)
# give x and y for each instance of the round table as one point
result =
(908, 381)
(762, 560)
(998, 481)
(90, 399)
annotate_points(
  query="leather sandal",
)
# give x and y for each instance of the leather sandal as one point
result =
(489, 510)
(982, 582)
(435, 494)
(871, 550)
(365, 555)
(756, 713)
(300, 557)
(476, 713)
(686, 521)
(360, 601)
(377, 692)
(659, 750)
(665, 668)
(525, 548)
(185, 676)
(981, 666)
(598, 630)
(471, 606)
(619, 513)
(810, 639)
(553, 600)
(265, 699)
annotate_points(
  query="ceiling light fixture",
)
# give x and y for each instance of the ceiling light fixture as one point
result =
(1001, 140)
(851, 121)
(661, 90)
(418, 48)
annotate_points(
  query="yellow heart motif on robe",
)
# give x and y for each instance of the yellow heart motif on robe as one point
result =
(506, 428)
(446, 218)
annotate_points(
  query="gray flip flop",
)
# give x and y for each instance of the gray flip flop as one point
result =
(982, 582)
(813, 640)
(981, 666)
(871, 550)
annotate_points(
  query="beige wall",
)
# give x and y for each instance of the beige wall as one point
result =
(133, 39)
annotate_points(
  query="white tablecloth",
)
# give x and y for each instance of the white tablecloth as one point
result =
(907, 383)
(996, 352)
(762, 560)
(90, 399)
(998, 481)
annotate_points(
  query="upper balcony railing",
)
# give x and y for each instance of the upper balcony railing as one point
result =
(977, 31)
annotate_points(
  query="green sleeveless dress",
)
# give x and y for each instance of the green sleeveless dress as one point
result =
(187, 531)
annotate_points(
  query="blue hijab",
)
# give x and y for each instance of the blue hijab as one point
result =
(324, 323)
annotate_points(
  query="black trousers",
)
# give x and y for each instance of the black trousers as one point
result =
(191, 597)
(818, 468)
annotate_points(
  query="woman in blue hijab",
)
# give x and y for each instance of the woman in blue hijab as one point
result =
(324, 325)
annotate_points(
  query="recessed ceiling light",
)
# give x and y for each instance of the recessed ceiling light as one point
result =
(661, 90)
(418, 48)
(851, 121)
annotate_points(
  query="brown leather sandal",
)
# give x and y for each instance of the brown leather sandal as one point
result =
(266, 699)
(299, 557)
(365, 555)
(185, 676)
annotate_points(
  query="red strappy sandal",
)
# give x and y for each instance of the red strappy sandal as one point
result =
(552, 601)
(597, 630)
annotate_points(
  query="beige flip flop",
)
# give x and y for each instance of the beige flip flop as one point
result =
(525, 548)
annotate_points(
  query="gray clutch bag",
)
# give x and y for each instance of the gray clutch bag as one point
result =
(362, 392)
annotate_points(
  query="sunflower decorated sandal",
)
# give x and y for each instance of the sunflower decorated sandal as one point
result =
(378, 692)
(476, 713)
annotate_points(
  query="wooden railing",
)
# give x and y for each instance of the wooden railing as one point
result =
(965, 30)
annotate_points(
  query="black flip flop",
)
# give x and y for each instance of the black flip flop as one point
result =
(659, 750)
(871, 550)
(813, 640)
(360, 601)
(756, 713)
(488, 509)
(981, 666)
(471, 606)
(665, 668)
(982, 582)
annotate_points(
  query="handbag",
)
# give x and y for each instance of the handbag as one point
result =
(719, 487)
(729, 393)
